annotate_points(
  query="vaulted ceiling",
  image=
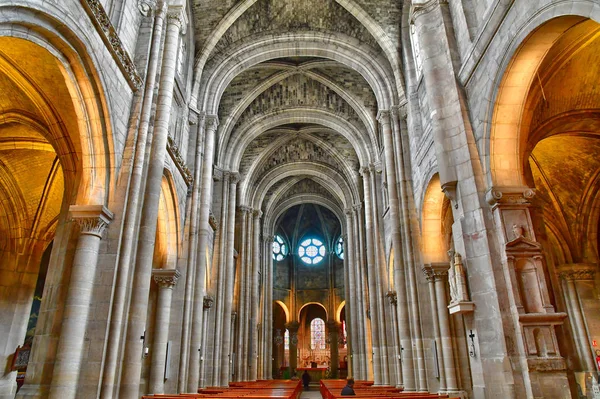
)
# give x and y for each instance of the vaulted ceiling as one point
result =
(297, 86)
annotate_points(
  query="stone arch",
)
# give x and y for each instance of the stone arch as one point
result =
(230, 154)
(167, 228)
(523, 56)
(253, 171)
(338, 312)
(313, 304)
(285, 310)
(345, 50)
(349, 5)
(272, 214)
(287, 72)
(433, 242)
(91, 139)
(323, 175)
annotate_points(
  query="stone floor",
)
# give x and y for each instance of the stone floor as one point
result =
(313, 393)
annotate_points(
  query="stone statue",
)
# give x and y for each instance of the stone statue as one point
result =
(452, 279)
(457, 279)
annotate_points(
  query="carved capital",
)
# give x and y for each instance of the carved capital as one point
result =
(166, 278)
(208, 302)
(436, 271)
(212, 220)
(179, 161)
(348, 211)
(245, 209)
(509, 195)
(358, 206)
(146, 7)
(383, 117)
(258, 213)
(364, 171)
(400, 111)
(392, 296)
(176, 16)
(234, 177)
(212, 122)
(423, 7)
(92, 219)
(577, 272)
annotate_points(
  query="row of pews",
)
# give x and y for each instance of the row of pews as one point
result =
(262, 389)
(331, 389)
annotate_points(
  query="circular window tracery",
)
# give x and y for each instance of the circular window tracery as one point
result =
(280, 249)
(311, 251)
(339, 248)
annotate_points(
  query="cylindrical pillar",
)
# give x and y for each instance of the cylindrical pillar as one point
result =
(166, 280)
(197, 329)
(92, 220)
(334, 327)
(132, 364)
(361, 300)
(253, 350)
(228, 297)
(372, 280)
(431, 277)
(572, 273)
(132, 211)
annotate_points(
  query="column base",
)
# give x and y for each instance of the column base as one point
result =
(455, 394)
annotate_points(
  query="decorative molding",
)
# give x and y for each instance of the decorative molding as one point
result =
(166, 278)
(92, 219)
(179, 161)
(577, 272)
(417, 10)
(212, 220)
(208, 302)
(146, 7)
(392, 296)
(111, 39)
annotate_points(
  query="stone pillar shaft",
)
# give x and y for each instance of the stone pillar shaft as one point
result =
(253, 349)
(132, 212)
(572, 273)
(445, 334)
(197, 328)
(166, 280)
(67, 367)
(228, 294)
(350, 265)
(132, 365)
(372, 282)
(361, 283)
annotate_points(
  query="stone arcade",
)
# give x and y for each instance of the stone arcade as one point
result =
(194, 192)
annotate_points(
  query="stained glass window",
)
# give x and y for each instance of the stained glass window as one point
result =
(280, 249)
(317, 334)
(339, 248)
(286, 340)
(311, 251)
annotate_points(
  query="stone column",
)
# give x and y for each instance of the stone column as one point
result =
(361, 284)
(229, 273)
(430, 274)
(197, 329)
(570, 274)
(334, 328)
(130, 218)
(208, 303)
(246, 222)
(132, 365)
(293, 330)
(92, 220)
(393, 299)
(372, 281)
(253, 350)
(166, 280)
(350, 292)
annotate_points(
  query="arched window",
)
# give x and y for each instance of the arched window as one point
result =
(311, 251)
(286, 340)
(339, 248)
(280, 249)
(317, 334)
